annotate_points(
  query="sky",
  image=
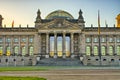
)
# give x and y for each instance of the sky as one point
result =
(24, 11)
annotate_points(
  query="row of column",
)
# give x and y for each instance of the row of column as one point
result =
(55, 44)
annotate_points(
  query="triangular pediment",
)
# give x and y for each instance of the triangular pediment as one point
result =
(59, 24)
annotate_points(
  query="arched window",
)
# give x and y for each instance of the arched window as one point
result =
(110, 50)
(16, 49)
(31, 50)
(118, 50)
(87, 50)
(103, 50)
(1, 50)
(95, 50)
(8, 51)
(23, 50)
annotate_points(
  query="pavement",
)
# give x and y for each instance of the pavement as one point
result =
(69, 74)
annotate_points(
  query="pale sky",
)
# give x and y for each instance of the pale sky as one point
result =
(24, 11)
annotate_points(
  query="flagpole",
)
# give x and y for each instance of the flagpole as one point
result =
(99, 36)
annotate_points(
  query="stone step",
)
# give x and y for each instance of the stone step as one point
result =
(59, 62)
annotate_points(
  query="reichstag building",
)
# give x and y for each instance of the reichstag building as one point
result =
(59, 39)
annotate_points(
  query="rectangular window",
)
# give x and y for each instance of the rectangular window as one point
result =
(1, 40)
(111, 40)
(118, 39)
(30, 39)
(88, 39)
(16, 40)
(8, 39)
(23, 40)
(103, 39)
(95, 39)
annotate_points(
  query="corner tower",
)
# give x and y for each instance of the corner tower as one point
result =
(81, 21)
(118, 20)
(38, 18)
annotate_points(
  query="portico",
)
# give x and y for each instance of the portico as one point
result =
(59, 44)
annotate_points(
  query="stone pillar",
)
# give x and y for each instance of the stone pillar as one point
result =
(64, 45)
(19, 46)
(79, 44)
(55, 45)
(27, 45)
(115, 46)
(47, 45)
(36, 44)
(72, 46)
(92, 45)
(107, 45)
(11, 47)
(39, 43)
(4, 45)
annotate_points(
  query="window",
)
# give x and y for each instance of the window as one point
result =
(103, 50)
(110, 50)
(110, 39)
(23, 39)
(88, 39)
(95, 50)
(8, 51)
(31, 50)
(103, 39)
(1, 50)
(104, 59)
(88, 50)
(8, 39)
(1, 40)
(16, 40)
(118, 50)
(23, 50)
(118, 39)
(16, 49)
(30, 39)
(95, 39)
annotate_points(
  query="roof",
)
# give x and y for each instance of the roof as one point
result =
(59, 14)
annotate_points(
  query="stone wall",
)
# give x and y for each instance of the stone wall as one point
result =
(17, 60)
(105, 60)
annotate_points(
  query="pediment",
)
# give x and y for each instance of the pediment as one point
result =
(60, 24)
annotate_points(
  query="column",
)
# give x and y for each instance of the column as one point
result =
(55, 45)
(72, 46)
(11, 47)
(27, 45)
(47, 45)
(64, 45)
(36, 44)
(115, 46)
(39, 43)
(107, 45)
(79, 44)
(19, 46)
(4, 45)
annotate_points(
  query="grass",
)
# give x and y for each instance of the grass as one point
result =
(31, 68)
(24, 68)
(20, 78)
(44, 68)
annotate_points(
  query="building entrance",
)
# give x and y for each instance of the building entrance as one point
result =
(59, 45)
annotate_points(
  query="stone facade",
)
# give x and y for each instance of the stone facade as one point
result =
(59, 36)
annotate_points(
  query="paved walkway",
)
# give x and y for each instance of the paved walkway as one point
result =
(69, 74)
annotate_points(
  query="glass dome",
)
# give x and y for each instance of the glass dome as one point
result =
(59, 14)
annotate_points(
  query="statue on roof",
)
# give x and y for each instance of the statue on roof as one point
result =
(1, 20)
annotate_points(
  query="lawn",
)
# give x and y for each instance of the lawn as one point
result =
(24, 68)
(20, 78)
